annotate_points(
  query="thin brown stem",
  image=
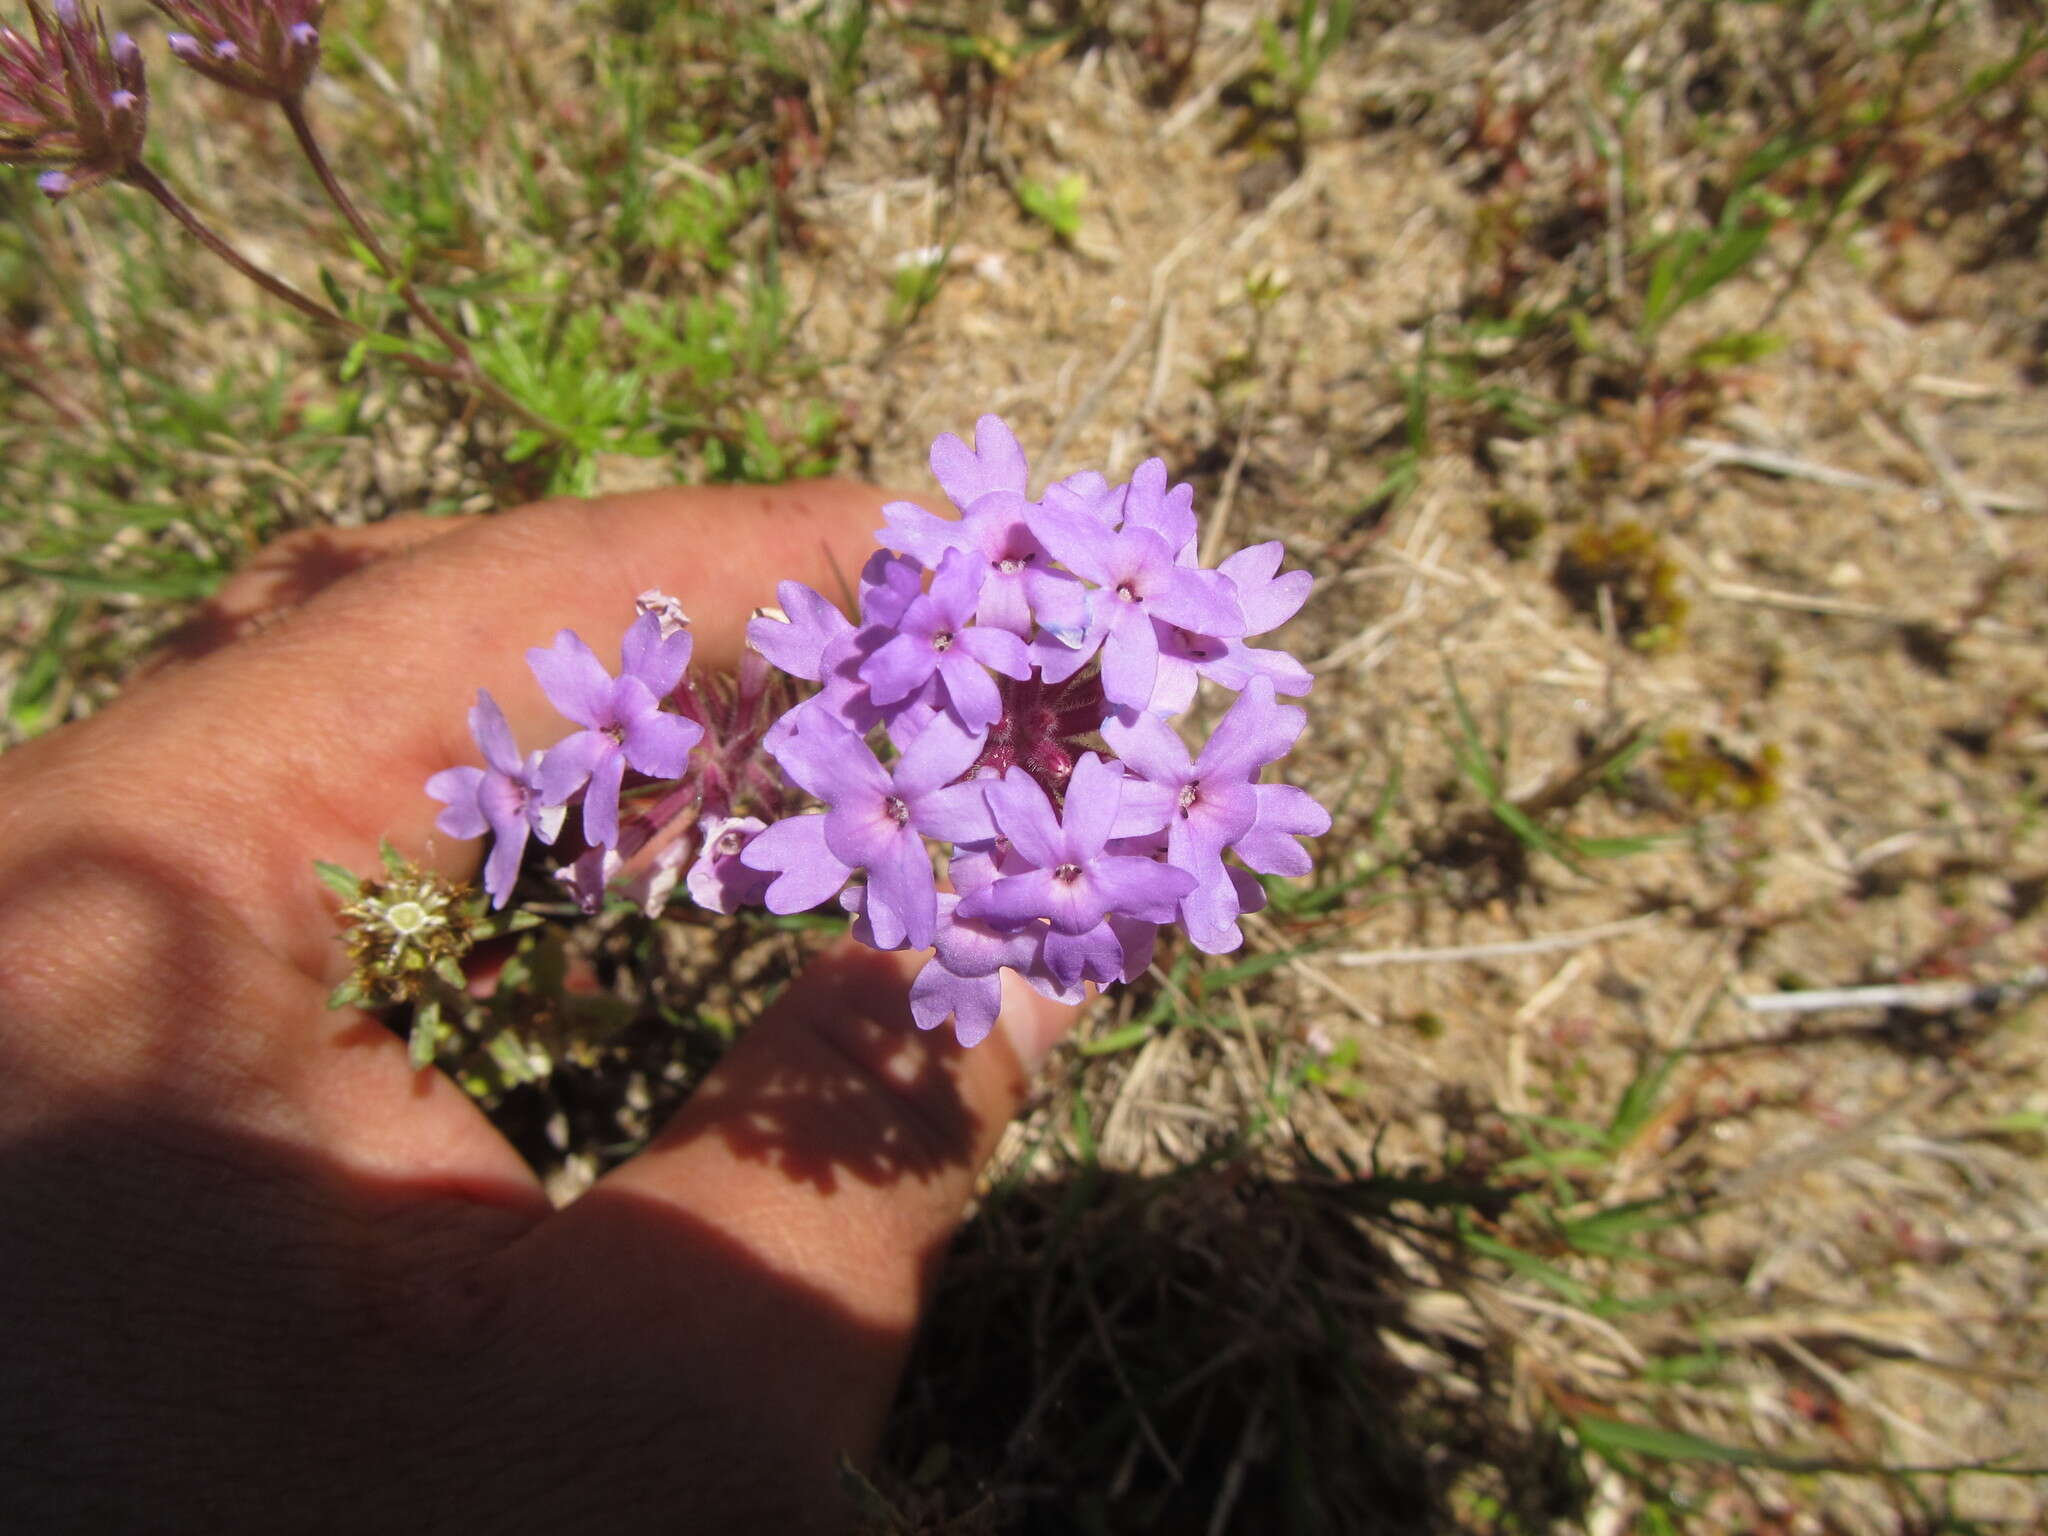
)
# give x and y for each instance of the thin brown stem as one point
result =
(144, 179)
(302, 130)
(463, 372)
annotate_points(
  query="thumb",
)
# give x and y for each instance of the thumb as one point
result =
(782, 1233)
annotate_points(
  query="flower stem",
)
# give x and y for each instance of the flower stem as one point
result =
(463, 373)
(144, 179)
(302, 130)
(467, 370)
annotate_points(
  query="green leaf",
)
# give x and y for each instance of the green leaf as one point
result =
(1610, 1438)
(36, 685)
(1530, 1267)
(338, 879)
(1117, 1040)
(349, 994)
(193, 584)
(427, 1029)
(1729, 256)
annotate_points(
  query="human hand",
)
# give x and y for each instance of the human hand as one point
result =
(260, 1274)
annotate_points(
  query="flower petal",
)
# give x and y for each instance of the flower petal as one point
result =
(794, 850)
(494, 736)
(995, 463)
(970, 692)
(458, 787)
(569, 763)
(971, 1002)
(1013, 900)
(1024, 816)
(655, 660)
(659, 744)
(601, 801)
(574, 680)
(899, 668)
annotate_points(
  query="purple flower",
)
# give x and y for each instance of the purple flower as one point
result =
(797, 639)
(1285, 813)
(502, 798)
(268, 49)
(1215, 801)
(1169, 513)
(1138, 580)
(963, 979)
(994, 463)
(806, 873)
(1071, 880)
(998, 651)
(936, 638)
(1020, 584)
(622, 719)
(718, 881)
(877, 820)
(71, 98)
(1088, 495)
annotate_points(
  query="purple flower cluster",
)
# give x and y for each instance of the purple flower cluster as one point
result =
(268, 49)
(1004, 701)
(71, 98)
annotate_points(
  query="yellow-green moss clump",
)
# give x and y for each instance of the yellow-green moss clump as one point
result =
(1628, 560)
(1709, 777)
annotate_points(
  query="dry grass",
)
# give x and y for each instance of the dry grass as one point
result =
(1481, 1156)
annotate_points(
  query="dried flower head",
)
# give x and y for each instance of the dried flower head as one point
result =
(401, 932)
(71, 98)
(263, 48)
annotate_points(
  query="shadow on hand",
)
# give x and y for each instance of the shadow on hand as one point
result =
(284, 574)
(845, 1084)
(216, 1328)
(212, 1332)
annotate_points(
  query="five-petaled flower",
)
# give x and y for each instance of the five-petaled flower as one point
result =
(624, 725)
(502, 798)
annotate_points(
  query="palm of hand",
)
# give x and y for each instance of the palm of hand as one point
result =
(258, 1272)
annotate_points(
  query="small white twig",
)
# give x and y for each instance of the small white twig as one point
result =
(1922, 997)
(1219, 515)
(1801, 602)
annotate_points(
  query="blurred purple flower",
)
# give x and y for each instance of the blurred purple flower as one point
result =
(71, 98)
(718, 881)
(263, 48)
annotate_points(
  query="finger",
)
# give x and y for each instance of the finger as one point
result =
(314, 738)
(832, 1152)
(155, 861)
(283, 575)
